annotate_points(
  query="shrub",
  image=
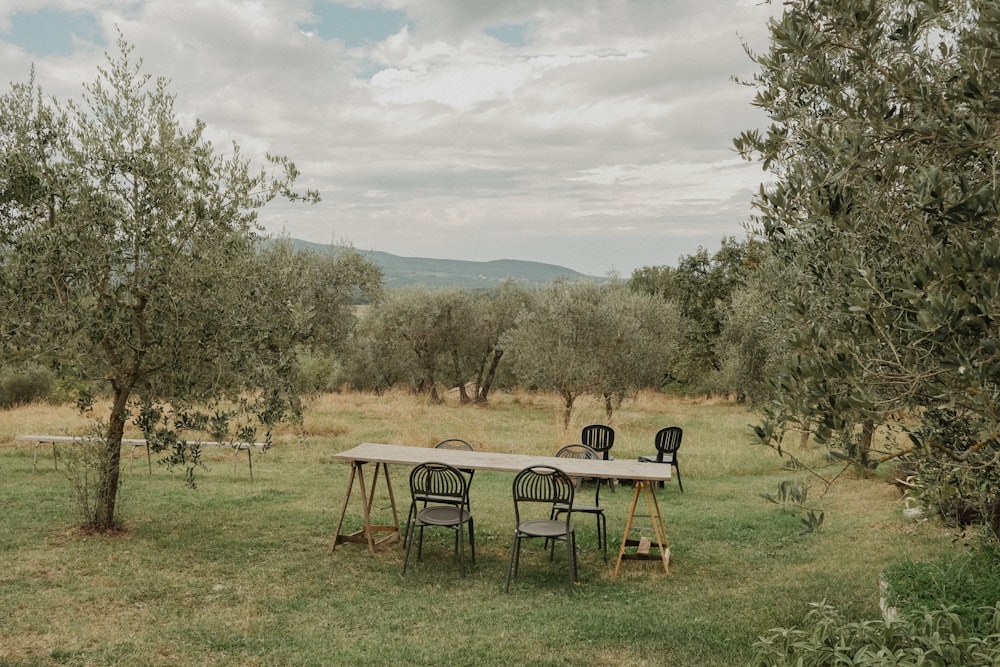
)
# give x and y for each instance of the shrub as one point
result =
(24, 384)
(957, 475)
(935, 638)
(315, 374)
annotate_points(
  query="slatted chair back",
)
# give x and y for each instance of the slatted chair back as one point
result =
(460, 445)
(542, 486)
(455, 443)
(667, 442)
(578, 451)
(438, 483)
(600, 438)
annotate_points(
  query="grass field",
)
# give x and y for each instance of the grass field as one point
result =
(241, 573)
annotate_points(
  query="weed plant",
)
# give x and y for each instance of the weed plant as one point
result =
(242, 573)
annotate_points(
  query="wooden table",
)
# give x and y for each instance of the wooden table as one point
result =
(42, 439)
(646, 475)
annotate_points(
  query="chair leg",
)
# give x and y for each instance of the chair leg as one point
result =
(602, 534)
(678, 469)
(408, 543)
(472, 540)
(409, 522)
(571, 557)
(512, 565)
(461, 547)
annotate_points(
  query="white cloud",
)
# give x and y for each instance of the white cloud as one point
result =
(603, 141)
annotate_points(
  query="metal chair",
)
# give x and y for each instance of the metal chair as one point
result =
(585, 452)
(443, 492)
(537, 489)
(600, 438)
(455, 443)
(667, 441)
(460, 445)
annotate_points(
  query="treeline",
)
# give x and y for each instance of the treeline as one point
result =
(689, 329)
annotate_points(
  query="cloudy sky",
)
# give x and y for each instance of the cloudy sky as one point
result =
(593, 134)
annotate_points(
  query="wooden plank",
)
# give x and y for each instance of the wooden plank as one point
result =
(47, 439)
(44, 439)
(503, 462)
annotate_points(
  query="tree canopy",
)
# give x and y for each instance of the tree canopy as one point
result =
(130, 257)
(883, 152)
(581, 338)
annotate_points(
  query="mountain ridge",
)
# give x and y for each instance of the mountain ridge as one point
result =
(400, 271)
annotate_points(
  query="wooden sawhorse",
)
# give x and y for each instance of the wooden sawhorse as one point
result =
(645, 487)
(367, 534)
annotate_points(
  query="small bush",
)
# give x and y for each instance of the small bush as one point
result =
(935, 638)
(24, 384)
(315, 375)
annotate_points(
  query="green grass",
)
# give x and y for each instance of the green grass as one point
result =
(965, 582)
(242, 573)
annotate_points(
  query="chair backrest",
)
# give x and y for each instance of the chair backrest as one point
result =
(543, 486)
(438, 483)
(455, 443)
(577, 452)
(668, 441)
(598, 437)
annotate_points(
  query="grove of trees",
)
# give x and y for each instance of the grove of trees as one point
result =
(861, 307)
(861, 311)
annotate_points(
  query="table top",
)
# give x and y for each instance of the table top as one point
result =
(501, 462)
(42, 438)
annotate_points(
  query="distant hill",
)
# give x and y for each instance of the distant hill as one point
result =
(420, 271)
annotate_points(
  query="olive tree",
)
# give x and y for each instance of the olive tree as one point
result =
(701, 288)
(428, 335)
(496, 311)
(322, 287)
(129, 257)
(582, 338)
(884, 150)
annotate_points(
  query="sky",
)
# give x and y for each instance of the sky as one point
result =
(591, 134)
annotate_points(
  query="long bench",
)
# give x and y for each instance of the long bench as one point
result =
(41, 439)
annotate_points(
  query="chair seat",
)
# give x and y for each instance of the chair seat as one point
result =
(442, 516)
(543, 528)
(652, 459)
(562, 507)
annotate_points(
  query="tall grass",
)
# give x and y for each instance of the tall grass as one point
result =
(241, 573)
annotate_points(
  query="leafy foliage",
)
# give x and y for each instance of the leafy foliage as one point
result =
(579, 338)
(884, 151)
(793, 495)
(24, 384)
(711, 357)
(130, 257)
(964, 582)
(936, 638)
(956, 474)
